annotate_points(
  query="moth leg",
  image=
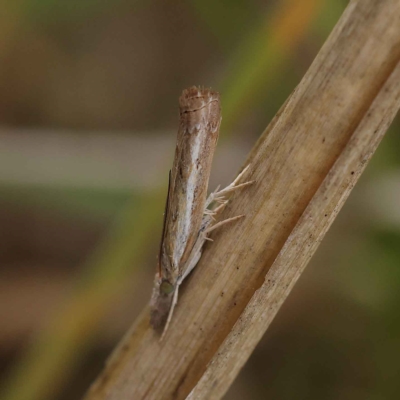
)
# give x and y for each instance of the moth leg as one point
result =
(219, 195)
(219, 224)
(193, 260)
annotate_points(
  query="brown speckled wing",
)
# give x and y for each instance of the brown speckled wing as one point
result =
(200, 118)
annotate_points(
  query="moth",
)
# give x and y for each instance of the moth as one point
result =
(189, 215)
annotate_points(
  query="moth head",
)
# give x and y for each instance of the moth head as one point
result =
(166, 287)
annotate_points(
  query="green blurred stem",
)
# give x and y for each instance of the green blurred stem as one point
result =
(57, 349)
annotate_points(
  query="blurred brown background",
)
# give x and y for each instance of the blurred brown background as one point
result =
(88, 119)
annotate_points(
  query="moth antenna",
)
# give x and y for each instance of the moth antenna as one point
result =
(171, 311)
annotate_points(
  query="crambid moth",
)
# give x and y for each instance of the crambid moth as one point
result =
(189, 214)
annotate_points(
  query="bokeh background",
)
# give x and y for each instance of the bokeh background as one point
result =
(88, 119)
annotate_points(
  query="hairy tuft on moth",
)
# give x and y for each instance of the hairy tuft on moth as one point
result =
(189, 214)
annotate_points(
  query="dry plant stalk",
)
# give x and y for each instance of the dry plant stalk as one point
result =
(305, 165)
